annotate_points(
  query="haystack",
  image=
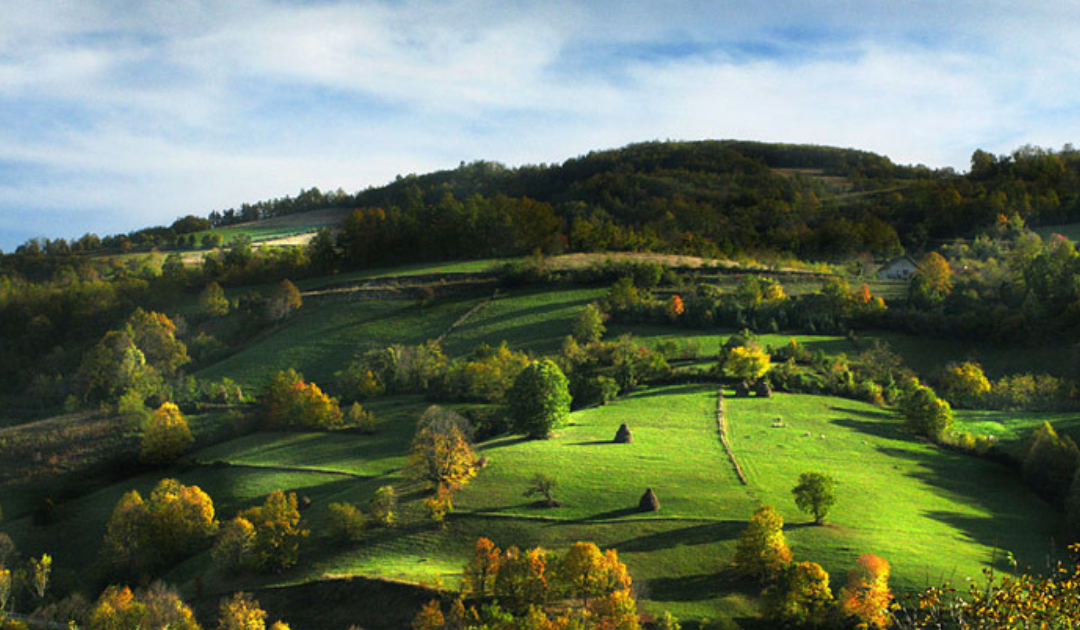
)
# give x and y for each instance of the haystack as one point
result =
(623, 436)
(649, 502)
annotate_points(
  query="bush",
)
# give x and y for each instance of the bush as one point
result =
(1050, 463)
(383, 507)
(965, 383)
(927, 414)
(166, 437)
(278, 532)
(290, 403)
(345, 522)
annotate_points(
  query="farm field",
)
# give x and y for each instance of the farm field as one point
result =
(939, 515)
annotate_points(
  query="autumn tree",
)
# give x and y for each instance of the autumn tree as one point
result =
(241, 612)
(539, 401)
(932, 282)
(762, 550)
(290, 402)
(283, 301)
(747, 363)
(278, 532)
(674, 307)
(127, 537)
(155, 336)
(156, 607)
(40, 571)
(383, 507)
(181, 518)
(478, 578)
(441, 454)
(589, 324)
(927, 414)
(586, 572)
(964, 383)
(815, 494)
(345, 522)
(522, 578)
(235, 542)
(166, 436)
(866, 597)
(616, 610)
(800, 596)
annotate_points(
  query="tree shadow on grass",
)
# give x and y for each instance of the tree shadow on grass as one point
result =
(692, 588)
(876, 428)
(686, 536)
(1012, 518)
(592, 443)
(612, 514)
(502, 442)
(691, 388)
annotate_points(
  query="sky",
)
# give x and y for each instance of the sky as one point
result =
(121, 114)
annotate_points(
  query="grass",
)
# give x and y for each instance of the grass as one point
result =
(710, 341)
(323, 337)
(403, 271)
(529, 319)
(1011, 427)
(928, 355)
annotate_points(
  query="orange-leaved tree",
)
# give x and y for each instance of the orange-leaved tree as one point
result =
(867, 597)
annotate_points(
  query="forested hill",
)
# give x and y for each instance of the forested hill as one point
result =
(712, 198)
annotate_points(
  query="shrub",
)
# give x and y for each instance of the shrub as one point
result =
(289, 402)
(278, 532)
(1050, 462)
(345, 522)
(589, 324)
(965, 383)
(383, 507)
(927, 414)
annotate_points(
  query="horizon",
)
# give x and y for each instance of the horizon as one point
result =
(130, 115)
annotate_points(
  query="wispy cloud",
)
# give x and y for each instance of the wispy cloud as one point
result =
(119, 115)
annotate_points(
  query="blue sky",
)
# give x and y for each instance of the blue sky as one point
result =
(116, 115)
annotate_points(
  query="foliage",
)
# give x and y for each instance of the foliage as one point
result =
(289, 402)
(866, 597)
(487, 375)
(241, 612)
(589, 324)
(800, 596)
(586, 572)
(523, 578)
(232, 550)
(345, 522)
(166, 436)
(212, 300)
(439, 505)
(156, 607)
(965, 383)
(176, 521)
(747, 363)
(762, 550)
(283, 301)
(440, 452)
(40, 571)
(814, 494)
(383, 507)
(478, 576)
(539, 401)
(278, 532)
(927, 414)
(1050, 462)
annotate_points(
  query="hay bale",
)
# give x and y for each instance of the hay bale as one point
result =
(623, 436)
(763, 389)
(742, 390)
(649, 502)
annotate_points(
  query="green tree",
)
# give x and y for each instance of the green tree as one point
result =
(232, 551)
(543, 486)
(278, 532)
(212, 300)
(166, 436)
(815, 495)
(539, 401)
(589, 324)
(1050, 462)
(926, 413)
(762, 550)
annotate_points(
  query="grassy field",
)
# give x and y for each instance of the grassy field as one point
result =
(1014, 426)
(322, 338)
(533, 319)
(928, 355)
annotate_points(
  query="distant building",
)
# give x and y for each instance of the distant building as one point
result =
(901, 268)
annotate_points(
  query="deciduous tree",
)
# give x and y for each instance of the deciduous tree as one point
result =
(867, 596)
(278, 532)
(539, 401)
(800, 596)
(762, 550)
(166, 436)
(589, 324)
(815, 494)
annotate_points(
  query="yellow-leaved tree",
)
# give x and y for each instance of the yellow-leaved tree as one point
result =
(278, 532)
(166, 436)
(867, 596)
(762, 550)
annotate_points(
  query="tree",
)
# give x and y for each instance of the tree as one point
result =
(383, 507)
(926, 413)
(441, 454)
(543, 486)
(478, 578)
(212, 300)
(290, 402)
(934, 269)
(278, 532)
(674, 307)
(523, 578)
(127, 536)
(345, 522)
(800, 597)
(40, 570)
(157, 607)
(747, 363)
(539, 401)
(762, 550)
(586, 572)
(181, 518)
(589, 324)
(1050, 462)
(964, 382)
(166, 437)
(284, 300)
(814, 494)
(155, 336)
(241, 612)
(232, 551)
(867, 596)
